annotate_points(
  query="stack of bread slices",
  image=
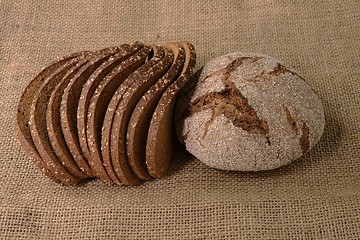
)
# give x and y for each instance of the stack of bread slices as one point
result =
(105, 114)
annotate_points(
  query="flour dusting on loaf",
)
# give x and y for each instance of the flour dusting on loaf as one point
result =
(249, 112)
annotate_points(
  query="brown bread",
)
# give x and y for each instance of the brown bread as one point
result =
(160, 139)
(140, 119)
(125, 51)
(23, 114)
(98, 106)
(69, 173)
(137, 84)
(249, 112)
(56, 133)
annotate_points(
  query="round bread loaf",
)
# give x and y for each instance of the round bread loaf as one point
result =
(248, 112)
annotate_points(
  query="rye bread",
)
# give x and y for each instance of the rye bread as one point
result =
(69, 104)
(156, 54)
(23, 114)
(68, 174)
(249, 112)
(125, 51)
(140, 119)
(126, 98)
(160, 139)
(98, 106)
(53, 122)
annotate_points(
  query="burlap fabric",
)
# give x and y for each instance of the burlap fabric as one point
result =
(316, 197)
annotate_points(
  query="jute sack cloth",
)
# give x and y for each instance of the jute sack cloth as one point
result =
(316, 197)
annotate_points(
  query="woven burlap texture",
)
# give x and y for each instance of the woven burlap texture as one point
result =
(316, 197)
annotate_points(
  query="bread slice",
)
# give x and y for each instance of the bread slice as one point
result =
(131, 91)
(156, 54)
(99, 104)
(69, 173)
(125, 51)
(23, 114)
(160, 139)
(139, 123)
(70, 149)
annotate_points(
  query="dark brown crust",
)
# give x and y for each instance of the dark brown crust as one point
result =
(23, 114)
(159, 144)
(279, 69)
(304, 138)
(69, 105)
(305, 131)
(139, 83)
(98, 106)
(232, 104)
(125, 51)
(140, 119)
(38, 125)
(291, 120)
(235, 63)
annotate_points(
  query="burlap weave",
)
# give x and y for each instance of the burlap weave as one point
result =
(316, 197)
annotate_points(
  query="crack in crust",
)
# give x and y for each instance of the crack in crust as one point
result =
(232, 104)
(279, 69)
(291, 120)
(305, 134)
(234, 64)
(304, 139)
